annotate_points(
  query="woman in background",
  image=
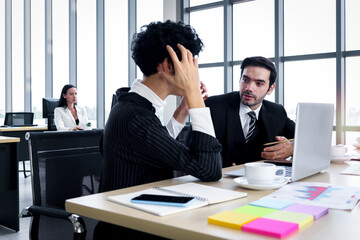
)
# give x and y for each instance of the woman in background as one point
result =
(69, 116)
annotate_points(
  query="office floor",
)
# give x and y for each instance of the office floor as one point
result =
(25, 200)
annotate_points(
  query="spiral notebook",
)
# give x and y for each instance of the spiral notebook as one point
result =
(205, 195)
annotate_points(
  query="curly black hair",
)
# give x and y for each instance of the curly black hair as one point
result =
(149, 45)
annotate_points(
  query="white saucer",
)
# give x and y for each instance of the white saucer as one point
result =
(340, 158)
(278, 182)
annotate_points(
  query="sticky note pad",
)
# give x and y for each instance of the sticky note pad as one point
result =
(299, 218)
(270, 227)
(254, 210)
(271, 203)
(316, 211)
(231, 219)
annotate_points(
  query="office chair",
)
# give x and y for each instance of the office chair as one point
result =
(63, 166)
(48, 107)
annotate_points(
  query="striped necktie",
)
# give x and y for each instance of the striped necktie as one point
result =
(251, 125)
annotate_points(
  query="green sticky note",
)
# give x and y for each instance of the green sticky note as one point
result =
(254, 210)
(300, 218)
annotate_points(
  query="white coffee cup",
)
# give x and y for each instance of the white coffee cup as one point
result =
(338, 150)
(257, 173)
(358, 140)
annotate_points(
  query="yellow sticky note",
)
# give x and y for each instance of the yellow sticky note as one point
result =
(231, 219)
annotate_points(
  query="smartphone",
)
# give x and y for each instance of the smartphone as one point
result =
(165, 200)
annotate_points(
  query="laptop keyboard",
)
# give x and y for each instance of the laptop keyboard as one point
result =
(288, 171)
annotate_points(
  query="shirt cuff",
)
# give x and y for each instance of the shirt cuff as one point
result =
(174, 127)
(201, 120)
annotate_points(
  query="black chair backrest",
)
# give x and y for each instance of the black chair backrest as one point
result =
(61, 163)
(19, 118)
(49, 105)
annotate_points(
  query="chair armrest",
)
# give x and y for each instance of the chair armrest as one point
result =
(77, 221)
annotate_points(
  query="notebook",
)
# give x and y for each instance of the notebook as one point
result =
(205, 195)
(313, 133)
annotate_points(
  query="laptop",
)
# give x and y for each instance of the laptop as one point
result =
(313, 133)
(19, 119)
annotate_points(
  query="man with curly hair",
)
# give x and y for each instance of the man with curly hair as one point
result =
(137, 148)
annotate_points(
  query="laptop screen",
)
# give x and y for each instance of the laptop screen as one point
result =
(19, 119)
(313, 133)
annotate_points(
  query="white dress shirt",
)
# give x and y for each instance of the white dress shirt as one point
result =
(245, 118)
(200, 117)
(65, 121)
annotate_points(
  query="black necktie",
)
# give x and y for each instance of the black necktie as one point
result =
(251, 125)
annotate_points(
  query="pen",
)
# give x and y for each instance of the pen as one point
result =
(271, 143)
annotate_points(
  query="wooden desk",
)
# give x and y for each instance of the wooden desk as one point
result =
(193, 224)
(19, 132)
(9, 183)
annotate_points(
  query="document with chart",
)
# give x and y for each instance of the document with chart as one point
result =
(319, 194)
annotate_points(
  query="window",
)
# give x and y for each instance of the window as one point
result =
(212, 37)
(352, 24)
(144, 17)
(17, 56)
(86, 57)
(304, 47)
(37, 58)
(352, 92)
(60, 11)
(213, 78)
(309, 81)
(116, 49)
(200, 2)
(309, 26)
(253, 29)
(351, 137)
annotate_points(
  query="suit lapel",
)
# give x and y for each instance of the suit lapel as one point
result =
(268, 122)
(70, 116)
(234, 131)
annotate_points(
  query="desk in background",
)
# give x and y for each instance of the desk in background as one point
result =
(9, 183)
(19, 132)
(193, 224)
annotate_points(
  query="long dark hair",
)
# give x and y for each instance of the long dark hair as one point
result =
(62, 100)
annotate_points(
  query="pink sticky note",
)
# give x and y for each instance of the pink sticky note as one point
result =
(270, 227)
(316, 211)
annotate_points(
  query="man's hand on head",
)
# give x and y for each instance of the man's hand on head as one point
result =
(186, 77)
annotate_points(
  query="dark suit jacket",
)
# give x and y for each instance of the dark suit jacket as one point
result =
(272, 122)
(138, 149)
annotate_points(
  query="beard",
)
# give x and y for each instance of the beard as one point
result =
(251, 102)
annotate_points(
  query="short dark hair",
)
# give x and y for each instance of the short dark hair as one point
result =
(149, 45)
(260, 62)
(62, 100)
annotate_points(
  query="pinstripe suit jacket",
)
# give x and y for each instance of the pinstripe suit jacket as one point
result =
(138, 149)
